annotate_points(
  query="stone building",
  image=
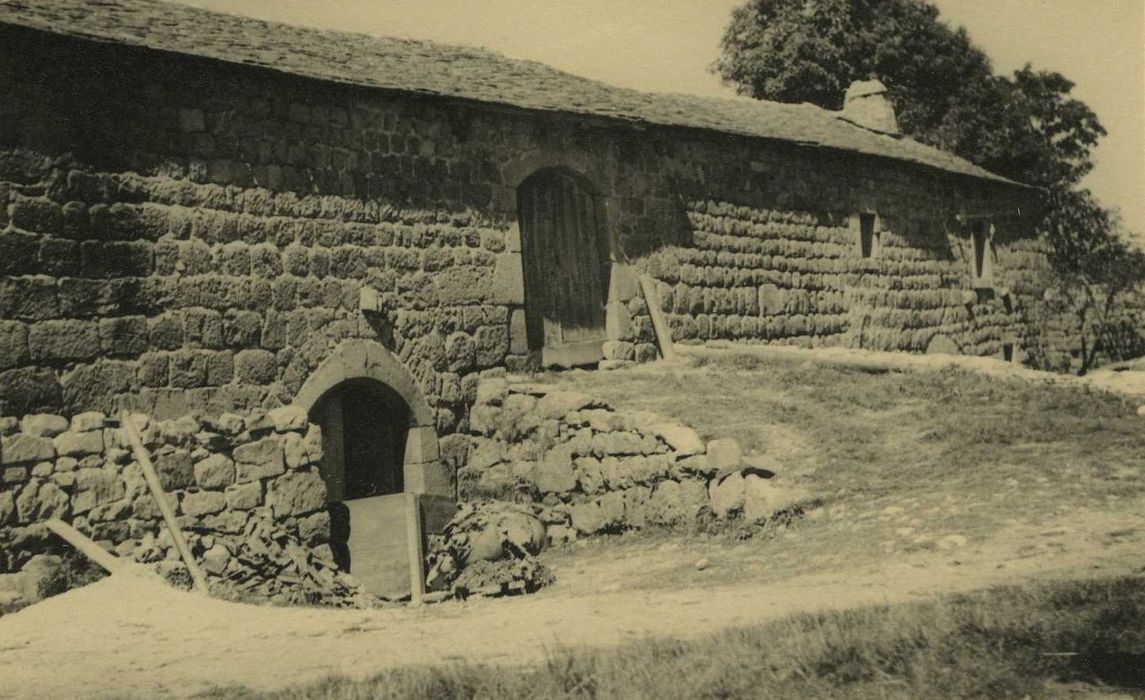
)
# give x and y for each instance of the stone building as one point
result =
(202, 213)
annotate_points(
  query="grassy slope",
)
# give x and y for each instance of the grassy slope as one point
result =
(1009, 642)
(900, 460)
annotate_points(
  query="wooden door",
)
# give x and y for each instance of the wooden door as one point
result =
(566, 260)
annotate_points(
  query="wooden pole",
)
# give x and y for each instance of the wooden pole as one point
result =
(659, 323)
(416, 554)
(84, 544)
(144, 459)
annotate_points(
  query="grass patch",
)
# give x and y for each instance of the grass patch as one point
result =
(1004, 642)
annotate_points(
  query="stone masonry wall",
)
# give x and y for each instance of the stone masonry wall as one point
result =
(179, 234)
(796, 277)
(246, 491)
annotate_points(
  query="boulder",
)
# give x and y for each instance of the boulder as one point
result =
(558, 404)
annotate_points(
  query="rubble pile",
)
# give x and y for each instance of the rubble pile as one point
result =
(489, 549)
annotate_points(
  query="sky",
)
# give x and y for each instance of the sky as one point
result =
(669, 46)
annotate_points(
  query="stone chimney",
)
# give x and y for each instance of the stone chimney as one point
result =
(866, 104)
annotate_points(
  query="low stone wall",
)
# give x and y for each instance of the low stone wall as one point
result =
(600, 470)
(246, 489)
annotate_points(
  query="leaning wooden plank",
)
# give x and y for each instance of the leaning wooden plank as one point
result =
(149, 475)
(85, 545)
(659, 323)
(416, 553)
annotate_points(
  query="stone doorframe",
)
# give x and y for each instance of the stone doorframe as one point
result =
(422, 471)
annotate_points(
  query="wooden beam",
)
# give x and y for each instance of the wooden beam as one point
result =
(659, 323)
(414, 546)
(85, 545)
(152, 479)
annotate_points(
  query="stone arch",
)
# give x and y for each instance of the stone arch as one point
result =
(365, 359)
(359, 359)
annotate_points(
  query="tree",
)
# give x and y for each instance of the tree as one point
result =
(1094, 267)
(1026, 126)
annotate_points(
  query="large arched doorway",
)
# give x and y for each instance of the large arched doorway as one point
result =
(565, 258)
(364, 429)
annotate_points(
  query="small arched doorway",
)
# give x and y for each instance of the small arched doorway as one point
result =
(364, 430)
(566, 262)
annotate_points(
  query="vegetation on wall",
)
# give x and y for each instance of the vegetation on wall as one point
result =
(1026, 126)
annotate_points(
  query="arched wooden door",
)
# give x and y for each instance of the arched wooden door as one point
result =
(565, 253)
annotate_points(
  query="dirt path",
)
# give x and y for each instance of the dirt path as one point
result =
(125, 635)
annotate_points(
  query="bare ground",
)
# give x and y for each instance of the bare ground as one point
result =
(1064, 499)
(127, 635)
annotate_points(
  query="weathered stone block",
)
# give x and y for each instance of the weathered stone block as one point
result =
(93, 387)
(587, 518)
(41, 500)
(492, 345)
(29, 389)
(684, 440)
(13, 344)
(73, 444)
(175, 469)
(113, 259)
(618, 322)
(555, 473)
(508, 280)
(214, 472)
(296, 493)
(558, 404)
(244, 496)
(256, 366)
(434, 478)
(96, 487)
(89, 420)
(63, 340)
(28, 298)
(43, 424)
(259, 459)
(612, 508)
(22, 448)
(726, 494)
(123, 336)
(460, 352)
(198, 503)
(724, 454)
(518, 333)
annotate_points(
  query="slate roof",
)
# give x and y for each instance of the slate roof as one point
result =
(430, 68)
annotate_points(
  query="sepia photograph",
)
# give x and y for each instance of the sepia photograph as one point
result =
(651, 349)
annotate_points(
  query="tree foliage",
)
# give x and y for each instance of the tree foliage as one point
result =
(1025, 126)
(944, 90)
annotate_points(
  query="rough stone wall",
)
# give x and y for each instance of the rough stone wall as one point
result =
(596, 469)
(178, 234)
(796, 277)
(246, 491)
